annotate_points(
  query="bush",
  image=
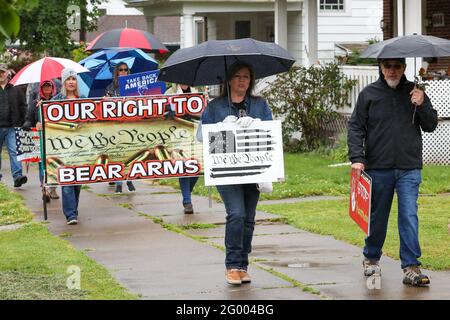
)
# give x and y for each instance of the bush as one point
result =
(306, 98)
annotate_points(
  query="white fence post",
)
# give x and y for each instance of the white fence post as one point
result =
(365, 75)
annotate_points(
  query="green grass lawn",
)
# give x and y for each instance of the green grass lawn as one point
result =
(308, 174)
(33, 262)
(331, 218)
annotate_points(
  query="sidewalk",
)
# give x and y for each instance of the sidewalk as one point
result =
(117, 232)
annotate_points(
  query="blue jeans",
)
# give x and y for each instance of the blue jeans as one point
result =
(406, 184)
(9, 135)
(70, 198)
(187, 185)
(240, 203)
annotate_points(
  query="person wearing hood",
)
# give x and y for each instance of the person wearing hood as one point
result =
(70, 194)
(47, 89)
(384, 139)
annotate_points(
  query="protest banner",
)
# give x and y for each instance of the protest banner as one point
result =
(360, 200)
(236, 155)
(28, 145)
(112, 139)
(141, 84)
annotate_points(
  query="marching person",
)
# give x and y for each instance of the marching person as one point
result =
(12, 114)
(240, 200)
(70, 194)
(384, 139)
(47, 89)
(187, 184)
(112, 90)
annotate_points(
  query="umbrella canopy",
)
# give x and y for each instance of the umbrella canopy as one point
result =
(412, 46)
(207, 63)
(45, 69)
(101, 66)
(127, 38)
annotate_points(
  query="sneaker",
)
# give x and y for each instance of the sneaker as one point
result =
(414, 277)
(53, 193)
(20, 181)
(245, 277)
(233, 276)
(131, 187)
(118, 188)
(111, 183)
(72, 221)
(188, 208)
(371, 267)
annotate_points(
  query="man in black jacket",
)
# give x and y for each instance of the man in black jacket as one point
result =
(384, 139)
(12, 114)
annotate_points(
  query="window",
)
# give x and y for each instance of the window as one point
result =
(242, 29)
(331, 5)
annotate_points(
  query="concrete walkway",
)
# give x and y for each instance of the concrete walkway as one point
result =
(118, 232)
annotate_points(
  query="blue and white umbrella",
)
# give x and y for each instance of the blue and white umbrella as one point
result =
(101, 66)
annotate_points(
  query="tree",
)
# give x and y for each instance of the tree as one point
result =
(10, 20)
(45, 29)
(306, 98)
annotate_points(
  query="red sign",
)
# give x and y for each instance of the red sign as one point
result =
(360, 196)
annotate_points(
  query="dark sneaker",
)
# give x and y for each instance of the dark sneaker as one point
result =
(118, 188)
(46, 196)
(414, 277)
(188, 208)
(130, 186)
(371, 267)
(19, 181)
(72, 221)
(111, 183)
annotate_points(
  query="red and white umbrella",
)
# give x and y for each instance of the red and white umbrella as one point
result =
(127, 38)
(45, 69)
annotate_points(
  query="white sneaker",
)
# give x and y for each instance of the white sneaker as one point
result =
(72, 222)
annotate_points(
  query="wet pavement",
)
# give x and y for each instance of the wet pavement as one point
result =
(120, 233)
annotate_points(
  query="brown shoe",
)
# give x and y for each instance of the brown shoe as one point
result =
(53, 193)
(233, 276)
(46, 196)
(245, 277)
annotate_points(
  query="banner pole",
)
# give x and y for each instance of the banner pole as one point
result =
(210, 197)
(42, 164)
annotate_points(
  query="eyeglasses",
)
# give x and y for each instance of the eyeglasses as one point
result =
(123, 70)
(393, 66)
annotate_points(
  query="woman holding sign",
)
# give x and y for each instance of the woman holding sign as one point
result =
(70, 194)
(113, 91)
(237, 104)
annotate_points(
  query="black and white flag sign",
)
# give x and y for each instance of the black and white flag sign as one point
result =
(236, 155)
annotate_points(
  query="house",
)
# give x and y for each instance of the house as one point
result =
(429, 17)
(308, 29)
(114, 14)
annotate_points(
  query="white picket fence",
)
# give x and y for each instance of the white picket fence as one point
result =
(364, 75)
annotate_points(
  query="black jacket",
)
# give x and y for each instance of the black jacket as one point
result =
(381, 133)
(12, 111)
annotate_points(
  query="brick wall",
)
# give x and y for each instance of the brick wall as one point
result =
(438, 6)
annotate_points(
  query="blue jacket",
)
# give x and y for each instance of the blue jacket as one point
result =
(218, 109)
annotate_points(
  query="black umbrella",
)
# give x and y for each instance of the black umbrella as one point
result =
(208, 62)
(412, 46)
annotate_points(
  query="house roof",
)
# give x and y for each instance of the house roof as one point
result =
(166, 29)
